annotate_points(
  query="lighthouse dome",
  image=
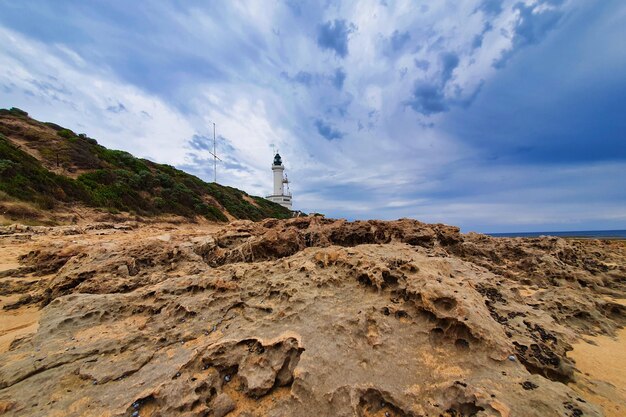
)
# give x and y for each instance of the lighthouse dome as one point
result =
(277, 159)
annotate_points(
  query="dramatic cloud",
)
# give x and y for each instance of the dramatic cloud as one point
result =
(338, 78)
(327, 131)
(117, 109)
(491, 7)
(533, 22)
(449, 61)
(201, 143)
(334, 35)
(428, 99)
(398, 39)
(491, 114)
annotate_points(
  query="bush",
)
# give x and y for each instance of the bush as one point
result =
(53, 126)
(7, 167)
(45, 202)
(66, 133)
(18, 112)
(158, 203)
(87, 139)
(213, 213)
(121, 159)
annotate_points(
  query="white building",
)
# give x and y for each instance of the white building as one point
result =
(280, 195)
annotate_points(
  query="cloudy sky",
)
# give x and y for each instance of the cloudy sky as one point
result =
(493, 115)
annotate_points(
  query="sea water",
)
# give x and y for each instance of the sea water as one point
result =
(589, 234)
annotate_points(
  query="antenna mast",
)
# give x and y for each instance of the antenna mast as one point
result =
(215, 157)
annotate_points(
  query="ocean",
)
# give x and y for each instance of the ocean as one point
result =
(589, 234)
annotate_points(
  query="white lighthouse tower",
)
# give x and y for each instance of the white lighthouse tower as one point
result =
(280, 195)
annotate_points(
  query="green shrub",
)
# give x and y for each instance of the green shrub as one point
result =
(54, 126)
(7, 167)
(66, 133)
(18, 112)
(158, 203)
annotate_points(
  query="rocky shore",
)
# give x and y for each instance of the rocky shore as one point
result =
(304, 317)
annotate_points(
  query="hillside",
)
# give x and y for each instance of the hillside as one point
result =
(49, 167)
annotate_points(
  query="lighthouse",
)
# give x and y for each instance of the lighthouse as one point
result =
(280, 195)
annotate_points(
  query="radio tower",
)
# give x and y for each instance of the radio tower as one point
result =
(215, 157)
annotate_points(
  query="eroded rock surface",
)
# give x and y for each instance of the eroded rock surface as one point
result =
(303, 317)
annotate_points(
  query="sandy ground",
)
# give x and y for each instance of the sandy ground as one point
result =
(9, 253)
(602, 361)
(19, 322)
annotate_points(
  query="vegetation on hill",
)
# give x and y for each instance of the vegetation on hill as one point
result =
(46, 164)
